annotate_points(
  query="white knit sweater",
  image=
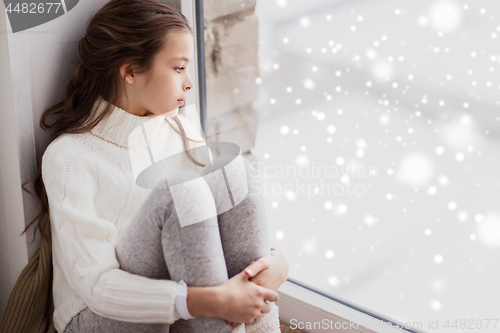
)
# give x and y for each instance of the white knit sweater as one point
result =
(90, 181)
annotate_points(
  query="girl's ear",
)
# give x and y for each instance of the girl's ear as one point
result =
(127, 73)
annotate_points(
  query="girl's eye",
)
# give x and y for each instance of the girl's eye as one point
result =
(178, 69)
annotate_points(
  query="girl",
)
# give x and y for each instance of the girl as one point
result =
(122, 260)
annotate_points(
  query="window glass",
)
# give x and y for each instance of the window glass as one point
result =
(379, 151)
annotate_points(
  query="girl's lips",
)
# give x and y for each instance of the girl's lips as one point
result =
(181, 101)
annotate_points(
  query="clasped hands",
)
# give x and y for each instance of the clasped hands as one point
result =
(269, 272)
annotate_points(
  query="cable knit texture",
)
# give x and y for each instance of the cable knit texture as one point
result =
(92, 193)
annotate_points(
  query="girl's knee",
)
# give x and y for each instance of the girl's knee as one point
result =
(228, 160)
(215, 164)
(175, 178)
(181, 187)
(190, 196)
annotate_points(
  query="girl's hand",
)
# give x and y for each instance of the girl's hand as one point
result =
(241, 301)
(269, 272)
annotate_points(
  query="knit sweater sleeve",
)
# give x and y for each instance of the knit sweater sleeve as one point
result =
(85, 246)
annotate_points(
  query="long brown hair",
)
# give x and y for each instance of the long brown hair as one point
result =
(121, 31)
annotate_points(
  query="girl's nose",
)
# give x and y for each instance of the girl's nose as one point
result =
(188, 84)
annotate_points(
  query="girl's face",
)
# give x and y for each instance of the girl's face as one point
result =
(168, 80)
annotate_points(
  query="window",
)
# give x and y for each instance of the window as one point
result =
(378, 144)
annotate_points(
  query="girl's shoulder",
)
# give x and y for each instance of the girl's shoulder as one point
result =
(66, 144)
(67, 166)
(69, 151)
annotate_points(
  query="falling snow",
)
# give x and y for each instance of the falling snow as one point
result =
(395, 109)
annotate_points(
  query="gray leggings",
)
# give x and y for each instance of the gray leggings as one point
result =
(206, 253)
